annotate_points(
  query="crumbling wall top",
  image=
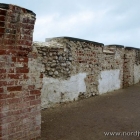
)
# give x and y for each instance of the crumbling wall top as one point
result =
(131, 48)
(74, 39)
(115, 45)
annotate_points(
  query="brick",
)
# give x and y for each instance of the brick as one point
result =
(26, 76)
(2, 64)
(22, 70)
(29, 98)
(2, 102)
(8, 119)
(10, 36)
(16, 9)
(22, 53)
(3, 83)
(3, 96)
(11, 25)
(35, 102)
(2, 52)
(27, 26)
(2, 18)
(7, 47)
(21, 105)
(11, 52)
(13, 19)
(2, 24)
(11, 70)
(15, 76)
(14, 59)
(1, 35)
(2, 70)
(27, 20)
(14, 88)
(34, 92)
(9, 41)
(14, 100)
(1, 41)
(3, 12)
(2, 76)
(2, 30)
(31, 87)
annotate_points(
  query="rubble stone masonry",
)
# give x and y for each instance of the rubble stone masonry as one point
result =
(76, 68)
(20, 78)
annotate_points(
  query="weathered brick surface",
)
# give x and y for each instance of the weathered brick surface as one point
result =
(20, 84)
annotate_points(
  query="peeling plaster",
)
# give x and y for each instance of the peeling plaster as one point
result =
(109, 80)
(58, 90)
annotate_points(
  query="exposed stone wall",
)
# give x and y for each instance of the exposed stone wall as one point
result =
(137, 66)
(86, 59)
(92, 69)
(131, 66)
(20, 79)
(114, 59)
(111, 76)
(129, 61)
(55, 57)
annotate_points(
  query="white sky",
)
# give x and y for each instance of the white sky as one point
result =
(104, 21)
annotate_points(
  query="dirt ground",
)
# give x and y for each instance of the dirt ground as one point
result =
(88, 119)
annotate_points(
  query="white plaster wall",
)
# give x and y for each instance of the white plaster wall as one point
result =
(109, 80)
(58, 90)
(136, 74)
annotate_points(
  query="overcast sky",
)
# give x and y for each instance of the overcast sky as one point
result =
(104, 21)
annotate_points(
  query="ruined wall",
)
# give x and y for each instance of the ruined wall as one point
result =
(86, 60)
(57, 69)
(131, 66)
(137, 66)
(112, 68)
(76, 68)
(20, 79)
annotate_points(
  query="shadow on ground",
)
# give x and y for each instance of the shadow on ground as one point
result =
(88, 119)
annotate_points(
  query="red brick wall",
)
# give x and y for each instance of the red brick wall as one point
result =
(20, 86)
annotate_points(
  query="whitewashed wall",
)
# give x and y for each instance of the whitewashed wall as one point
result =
(109, 80)
(136, 74)
(57, 90)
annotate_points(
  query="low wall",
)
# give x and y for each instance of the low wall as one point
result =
(76, 68)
